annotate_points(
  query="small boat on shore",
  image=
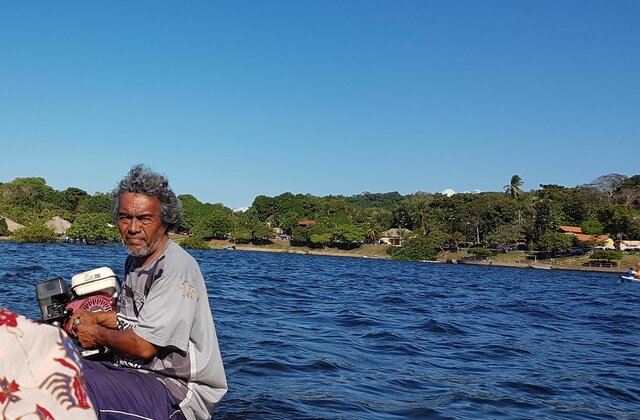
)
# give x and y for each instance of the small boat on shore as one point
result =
(540, 267)
(628, 278)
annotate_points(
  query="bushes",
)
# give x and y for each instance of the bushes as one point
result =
(94, 228)
(4, 229)
(605, 254)
(415, 249)
(194, 242)
(480, 252)
(35, 232)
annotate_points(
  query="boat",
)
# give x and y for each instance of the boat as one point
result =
(628, 278)
(540, 267)
(475, 261)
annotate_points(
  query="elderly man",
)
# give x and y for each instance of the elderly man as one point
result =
(167, 363)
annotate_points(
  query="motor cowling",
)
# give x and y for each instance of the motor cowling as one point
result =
(93, 303)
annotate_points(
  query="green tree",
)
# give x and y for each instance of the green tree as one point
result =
(378, 200)
(415, 249)
(480, 252)
(260, 233)
(215, 221)
(242, 235)
(98, 203)
(94, 228)
(606, 254)
(29, 192)
(592, 227)
(321, 239)
(513, 188)
(620, 219)
(506, 234)
(70, 198)
(194, 243)
(35, 232)
(4, 229)
(348, 235)
(554, 242)
(192, 210)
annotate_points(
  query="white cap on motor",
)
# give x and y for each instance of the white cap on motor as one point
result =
(97, 281)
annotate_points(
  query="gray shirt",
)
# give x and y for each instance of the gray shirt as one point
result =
(166, 303)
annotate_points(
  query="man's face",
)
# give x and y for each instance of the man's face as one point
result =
(140, 224)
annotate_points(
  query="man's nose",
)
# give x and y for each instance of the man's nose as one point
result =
(134, 225)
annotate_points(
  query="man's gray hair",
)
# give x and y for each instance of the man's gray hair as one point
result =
(142, 180)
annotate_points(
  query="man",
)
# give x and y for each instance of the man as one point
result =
(167, 360)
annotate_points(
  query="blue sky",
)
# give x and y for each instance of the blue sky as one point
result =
(233, 99)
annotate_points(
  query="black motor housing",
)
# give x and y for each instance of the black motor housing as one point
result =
(53, 295)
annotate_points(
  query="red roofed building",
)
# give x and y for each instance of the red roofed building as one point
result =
(570, 229)
(579, 237)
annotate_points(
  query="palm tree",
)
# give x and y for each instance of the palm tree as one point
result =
(513, 188)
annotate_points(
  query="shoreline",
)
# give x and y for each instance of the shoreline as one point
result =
(287, 249)
(493, 263)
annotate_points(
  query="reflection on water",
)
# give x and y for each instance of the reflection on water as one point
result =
(329, 337)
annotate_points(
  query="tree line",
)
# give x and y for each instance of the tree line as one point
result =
(426, 222)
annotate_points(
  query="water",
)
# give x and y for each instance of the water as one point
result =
(335, 338)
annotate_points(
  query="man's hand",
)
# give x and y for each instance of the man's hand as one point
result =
(82, 317)
(88, 334)
(96, 329)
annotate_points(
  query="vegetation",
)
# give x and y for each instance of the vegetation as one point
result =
(416, 249)
(605, 254)
(480, 252)
(94, 228)
(554, 242)
(429, 223)
(194, 242)
(4, 229)
(36, 232)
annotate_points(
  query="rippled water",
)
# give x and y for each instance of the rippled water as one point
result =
(328, 337)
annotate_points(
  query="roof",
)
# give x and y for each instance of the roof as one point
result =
(11, 225)
(570, 229)
(395, 232)
(581, 237)
(306, 222)
(58, 224)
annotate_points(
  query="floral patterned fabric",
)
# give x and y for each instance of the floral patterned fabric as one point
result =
(40, 372)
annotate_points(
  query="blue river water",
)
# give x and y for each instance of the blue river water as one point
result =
(311, 337)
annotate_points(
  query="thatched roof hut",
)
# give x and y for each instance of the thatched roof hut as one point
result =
(11, 225)
(58, 224)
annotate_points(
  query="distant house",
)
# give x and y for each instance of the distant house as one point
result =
(59, 225)
(11, 225)
(580, 237)
(630, 245)
(570, 230)
(394, 236)
(306, 223)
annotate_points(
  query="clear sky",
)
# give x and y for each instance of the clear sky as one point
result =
(233, 99)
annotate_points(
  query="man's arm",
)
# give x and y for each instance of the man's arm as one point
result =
(124, 342)
(95, 329)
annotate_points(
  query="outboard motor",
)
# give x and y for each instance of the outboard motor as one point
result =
(93, 290)
(53, 296)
